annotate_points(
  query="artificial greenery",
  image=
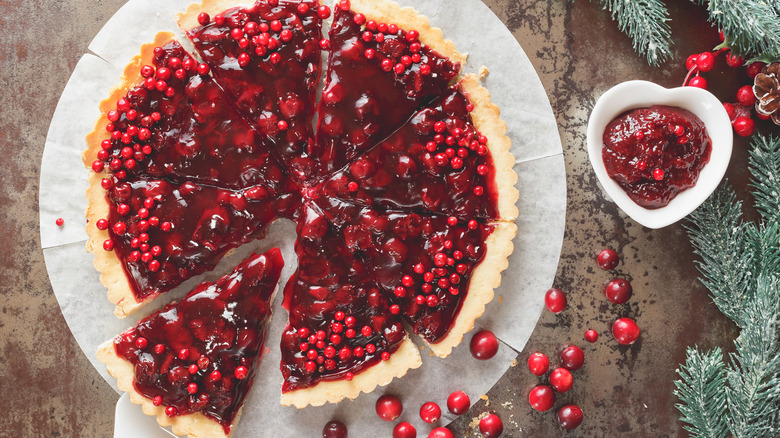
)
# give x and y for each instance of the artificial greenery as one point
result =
(740, 264)
(751, 27)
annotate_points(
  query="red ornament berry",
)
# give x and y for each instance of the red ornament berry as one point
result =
(754, 68)
(691, 61)
(744, 126)
(441, 432)
(458, 403)
(698, 82)
(541, 398)
(538, 364)
(745, 96)
(555, 300)
(491, 426)
(484, 345)
(730, 110)
(334, 428)
(705, 61)
(608, 259)
(570, 416)
(734, 61)
(404, 430)
(625, 331)
(60, 221)
(619, 291)
(561, 379)
(572, 358)
(430, 412)
(591, 336)
(389, 407)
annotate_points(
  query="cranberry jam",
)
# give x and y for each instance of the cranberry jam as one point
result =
(201, 354)
(655, 153)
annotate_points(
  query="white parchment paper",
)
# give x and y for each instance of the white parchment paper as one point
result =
(511, 316)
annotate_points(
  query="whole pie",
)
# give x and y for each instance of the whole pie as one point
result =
(399, 178)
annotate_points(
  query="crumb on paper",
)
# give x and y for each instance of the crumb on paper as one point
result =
(483, 72)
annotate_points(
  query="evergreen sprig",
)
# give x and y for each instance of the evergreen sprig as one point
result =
(740, 264)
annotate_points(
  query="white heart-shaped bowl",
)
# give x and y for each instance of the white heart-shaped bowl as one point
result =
(641, 94)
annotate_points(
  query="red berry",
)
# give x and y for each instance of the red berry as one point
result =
(60, 221)
(625, 331)
(491, 426)
(734, 61)
(730, 110)
(203, 69)
(538, 364)
(591, 336)
(430, 412)
(619, 291)
(570, 416)
(572, 358)
(658, 174)
(334, 429)
(389, 407)
(691, 61)
(484, 345)
(698, 82)
(755, 68)
(561, 379)
(555, 300)
(203, 18)
(323, 11)
(744, 126)
(458, 403)
(404, 430)
(441, 432)
(745, 96)
(608, 259)
(541, 398)
(705, 61)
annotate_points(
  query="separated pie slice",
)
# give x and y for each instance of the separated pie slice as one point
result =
(385, 63)
(342, 337)
(266, 55)
(192, 363)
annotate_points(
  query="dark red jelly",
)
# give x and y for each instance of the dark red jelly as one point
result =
(201, 354)
(655, 153)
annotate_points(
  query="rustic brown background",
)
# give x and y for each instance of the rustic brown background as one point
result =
(48, 388)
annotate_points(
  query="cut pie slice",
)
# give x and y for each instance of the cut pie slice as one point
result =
(341, 337)
(438, 272)
(451, 158)
(267, 57)
(385, 63)
(192, 363)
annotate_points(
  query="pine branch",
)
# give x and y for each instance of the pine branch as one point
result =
(700, 389)
(647, 23)
(752, 27)
(763, 242)
(765, 170)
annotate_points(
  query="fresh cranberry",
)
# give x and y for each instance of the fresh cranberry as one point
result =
(458, 403)
(625, 331)
(591, 336)
(491, 426)
(541, 398)
(389, 407)
(572, 358)
(744, 126)
(746, 96)
(570, 416)
(538, 364)
(561, 380)
(441, 432)
(608, 259)
(555, 300)
(619, 291)
(334, 429)
(404, 430)
(484, 345)
(430, 412)
(60, 221)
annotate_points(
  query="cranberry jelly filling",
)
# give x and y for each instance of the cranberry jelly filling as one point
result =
(423, 263)
(438, 162)
(378, 75)
(267, 57)
(165, 233)
(655, 153)
(340, 323)
(201, 354)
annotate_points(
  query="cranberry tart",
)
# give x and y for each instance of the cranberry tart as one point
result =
(192, 363)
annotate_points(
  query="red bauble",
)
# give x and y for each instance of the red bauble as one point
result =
(458, 403)
(389, 407)
(608, 259)
(570, 416)
(555, 300)
(538, 364)
(572, 358)
(491, 426)
(404, 430)
(561, 380)
(619, 291)
(334, 429)
(625, 331)
(484, 345)
(430, 412)
(441, 432)
(541, 398)
(744, 126)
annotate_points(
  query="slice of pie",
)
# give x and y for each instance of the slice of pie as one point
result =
(192, 363)
(342, 337)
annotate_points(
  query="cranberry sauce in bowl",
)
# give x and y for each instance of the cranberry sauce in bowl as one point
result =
(655, 153)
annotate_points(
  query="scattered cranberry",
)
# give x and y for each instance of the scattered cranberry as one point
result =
(430, 412)
(555, 300)
(541, 398)
(698, 82)
(705, 61)
(404, 430)
(389, 407)
(441, 432)
(334, 429)
(745, 96)
(538, 364)
(458, 403)
(608, 259)
(484, 345)
(491, 426)
(570, 416)
(744, 126)
(591, 336)
(561, 380)
(60, 221)
(572, 358)
(619, 291)
(626, 331)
